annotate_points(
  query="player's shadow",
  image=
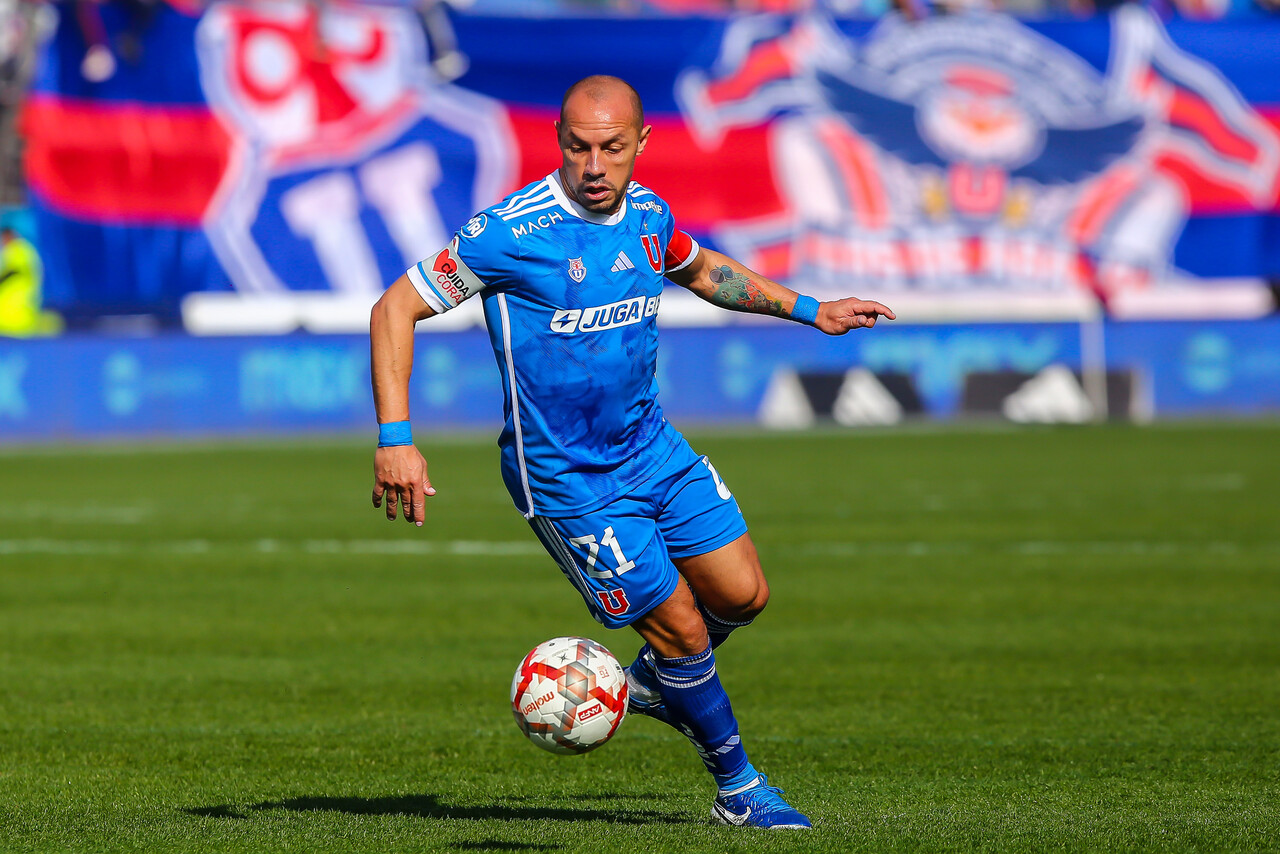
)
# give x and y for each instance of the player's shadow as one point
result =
(430, 806)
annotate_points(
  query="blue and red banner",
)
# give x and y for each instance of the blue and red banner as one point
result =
(277, 148)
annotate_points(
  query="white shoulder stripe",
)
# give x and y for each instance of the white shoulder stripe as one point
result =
(537, 187)
(528, 209)
(515, 201)
(506, 210)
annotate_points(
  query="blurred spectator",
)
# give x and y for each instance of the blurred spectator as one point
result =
(101, 51)
(24, 25)
(20, 297)
(448, 61)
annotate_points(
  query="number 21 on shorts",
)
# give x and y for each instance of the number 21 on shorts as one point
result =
(610, 542)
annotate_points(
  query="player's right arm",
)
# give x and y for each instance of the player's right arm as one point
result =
(478, 256)
(399, 471)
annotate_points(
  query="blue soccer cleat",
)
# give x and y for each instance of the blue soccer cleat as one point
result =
(643, 698)
(758, 805)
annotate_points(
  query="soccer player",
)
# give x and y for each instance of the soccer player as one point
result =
(570, 270)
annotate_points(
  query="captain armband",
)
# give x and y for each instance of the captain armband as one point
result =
(444, 279)
(681, 250)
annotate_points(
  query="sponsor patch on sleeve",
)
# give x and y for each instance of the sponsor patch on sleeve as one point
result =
(444, 279)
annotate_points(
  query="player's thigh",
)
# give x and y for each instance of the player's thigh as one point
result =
(730, 580)
(708, 540)
(616, 559)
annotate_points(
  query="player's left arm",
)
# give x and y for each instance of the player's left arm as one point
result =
(719, 279)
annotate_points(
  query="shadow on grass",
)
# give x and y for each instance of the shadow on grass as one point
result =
(430, 806)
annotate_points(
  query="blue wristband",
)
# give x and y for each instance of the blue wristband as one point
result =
(393, 434)
(805, 310)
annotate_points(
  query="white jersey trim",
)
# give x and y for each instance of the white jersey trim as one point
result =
(424, 290)
(553, 181)
(537, 205)
(538, 202)
(564, 555)
(540, 192)
(515, 404)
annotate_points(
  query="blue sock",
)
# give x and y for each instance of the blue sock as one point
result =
(699, 706)
(744, 779)
(718, 628)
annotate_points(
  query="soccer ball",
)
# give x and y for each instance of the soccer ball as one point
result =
(569, 695)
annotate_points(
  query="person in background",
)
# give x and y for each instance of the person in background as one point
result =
(20, 278)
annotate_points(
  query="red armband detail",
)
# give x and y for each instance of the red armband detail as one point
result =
(678, 249)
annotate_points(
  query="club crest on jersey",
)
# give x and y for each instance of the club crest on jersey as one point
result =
(577, 270)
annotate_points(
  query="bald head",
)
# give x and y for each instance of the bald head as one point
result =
(603, 91)
(601, 132)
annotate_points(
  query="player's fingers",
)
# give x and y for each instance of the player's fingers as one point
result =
(408, 503)
(874, 308)
(427, 489)
(854, 321)
(391, 504)
(378, 489)
(418, 509)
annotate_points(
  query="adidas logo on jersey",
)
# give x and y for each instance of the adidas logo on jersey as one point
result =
(622, 262)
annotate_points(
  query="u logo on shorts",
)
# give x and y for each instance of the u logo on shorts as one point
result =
(613, 601)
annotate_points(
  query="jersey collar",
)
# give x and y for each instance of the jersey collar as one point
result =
(557, 189)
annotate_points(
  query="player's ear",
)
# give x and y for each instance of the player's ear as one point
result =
(644, 138)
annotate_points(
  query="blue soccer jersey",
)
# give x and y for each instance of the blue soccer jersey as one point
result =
(570, 300)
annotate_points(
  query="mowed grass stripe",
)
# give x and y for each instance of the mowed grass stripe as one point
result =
(1011, 640)
(456, 548)
(480, 548)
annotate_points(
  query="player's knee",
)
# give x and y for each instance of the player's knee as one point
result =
(756, 600)
(690, 640)
(761, 598)
(747, 600)
(679, 632)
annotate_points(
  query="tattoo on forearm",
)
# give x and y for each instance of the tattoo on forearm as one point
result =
(736, 291)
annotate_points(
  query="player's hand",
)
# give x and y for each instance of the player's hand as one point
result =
(400, 476)
(839, 316)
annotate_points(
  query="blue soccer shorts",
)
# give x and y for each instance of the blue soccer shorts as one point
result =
(620, 556)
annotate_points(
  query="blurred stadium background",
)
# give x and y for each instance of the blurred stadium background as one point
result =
(1012, 639)
(1073, 209)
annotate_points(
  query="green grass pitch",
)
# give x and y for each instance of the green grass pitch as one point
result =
(1000, 640)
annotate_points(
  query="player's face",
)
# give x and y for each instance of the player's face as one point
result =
(599, 142)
